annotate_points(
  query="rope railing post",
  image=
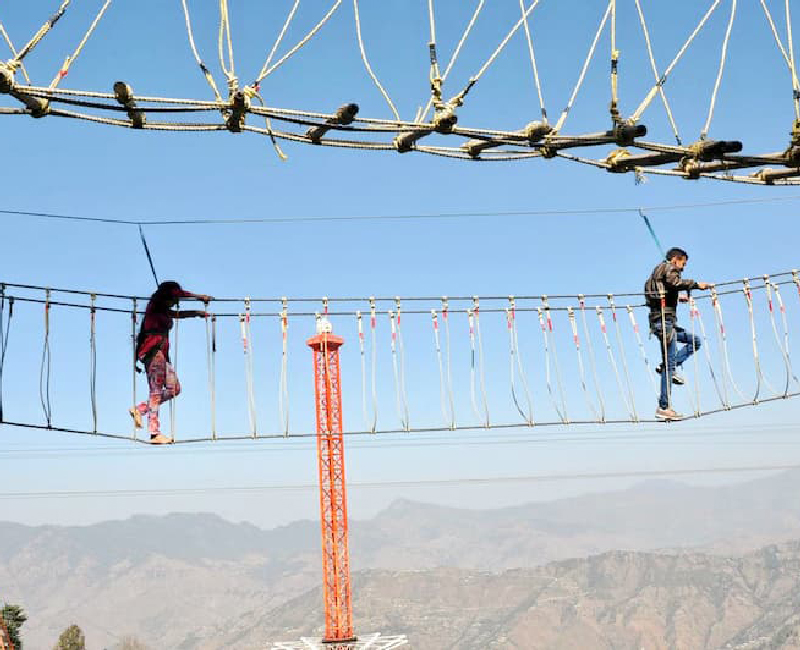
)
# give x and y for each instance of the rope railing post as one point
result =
(546, 340)
(401, 353)
(769, 286)
(5, 328)
(756, 358)
(211, 347)
(44, 371)
(283, 389)
(247, 345)
(93, 360)
(362, 356)
(476, 310)
(582, 373)
(592, 361)
(446, 321)
(135, 360)
(694, 310)
(602, 320)
(173, 408)
(373, 325)
(516, 361)
(622, 355)
(549, 318)
(398, 390)
(438, 348)
(696, 378)
(643, 352)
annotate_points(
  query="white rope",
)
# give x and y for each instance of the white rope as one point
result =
(592, 361)
(438, 348)
(71, 59)
(560, 410)
(283, 389)
(279, 39)
(362, 354)
(173, 409)
(576, 339)
(422, 115)
(368, 66)
(398, 389)
(206, 72)
(265, 73)
(401, 355)
(648, 370)
(38, 36)
(790, 43)
(722, 59)
(663, 79)
(225, 34)
(373, 324)
(622, 355)
(532, 56)
(247, 345)
(133, 365)
(44, 371)
(446, 320)
(696, 378)
(474, 360)
(612, 359)
(760, 377)
(694, 311)
(614, 64)
(516, 363)
(93, 361)
(656, 76)
(723, 344)
(11, 47)
(582, 75)
(211, 365)
(476, 310)
(789, 59)
(785, 346)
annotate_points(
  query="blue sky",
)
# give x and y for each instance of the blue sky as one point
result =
(82, 169)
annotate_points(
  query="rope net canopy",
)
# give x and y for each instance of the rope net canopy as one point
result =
(409, 364)
(235, 106)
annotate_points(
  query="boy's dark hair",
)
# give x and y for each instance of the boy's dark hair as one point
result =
(676, 252)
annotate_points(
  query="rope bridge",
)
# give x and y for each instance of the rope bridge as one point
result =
(416, 364)
(229, 110)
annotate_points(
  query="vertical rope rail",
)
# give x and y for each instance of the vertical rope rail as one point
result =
(542, 324)
(135, 360)
(760, 377)
(666, 366)
(785, 347)
(5, 329)
(396, 371)
(283, 389)
(211, 364)
(768, 286)
(367, 65)
(401, 355)
(362, 353)
(373, 324)
(173, 409)
(642, 351)
(696, 378)
(618, 330)
(592, 361)
(438, 348)
(44, 371)
(446, 321)
(602, 320)
(582, 373)
(247, 346)
(476, 309)
(93, 360)
(549, 319)
(694, 310)
(723, 343)
(516, 362)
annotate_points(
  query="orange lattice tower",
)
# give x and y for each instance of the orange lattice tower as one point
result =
(333, 492)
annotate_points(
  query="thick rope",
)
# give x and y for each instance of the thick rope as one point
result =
(173, 408)
(11, 47)
(760, 378)
(362, 355)
(696, 378)
(211, 365)
(269, 70)
(545, 325)
(38, 36)
(532, 56)
(790, 44)
(582, 75)
(422, 115)
(203, 68)
(789, 59)
(224, 38)
(614, 65)
(135, 361)
(663, 79)
(278, 40)
(656, 76)
(368, 67)
(438, 348)
(398, 377)
(71, 59)
(783, 343)
(722, 59)
(5, 329)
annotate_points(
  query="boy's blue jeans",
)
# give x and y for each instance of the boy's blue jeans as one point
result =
(675, 357)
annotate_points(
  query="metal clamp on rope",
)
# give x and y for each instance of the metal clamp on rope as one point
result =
(344, 116)
(38, 106)
(444, 120)
(239, 107)
(124, 95)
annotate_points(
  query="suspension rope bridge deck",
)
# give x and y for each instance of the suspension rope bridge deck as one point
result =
(456, 344)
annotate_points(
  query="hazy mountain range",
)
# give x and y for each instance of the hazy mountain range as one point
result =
(448, 578)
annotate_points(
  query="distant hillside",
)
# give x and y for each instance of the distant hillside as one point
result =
(161, 577)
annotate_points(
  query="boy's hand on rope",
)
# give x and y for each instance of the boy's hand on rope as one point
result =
(704, 285)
